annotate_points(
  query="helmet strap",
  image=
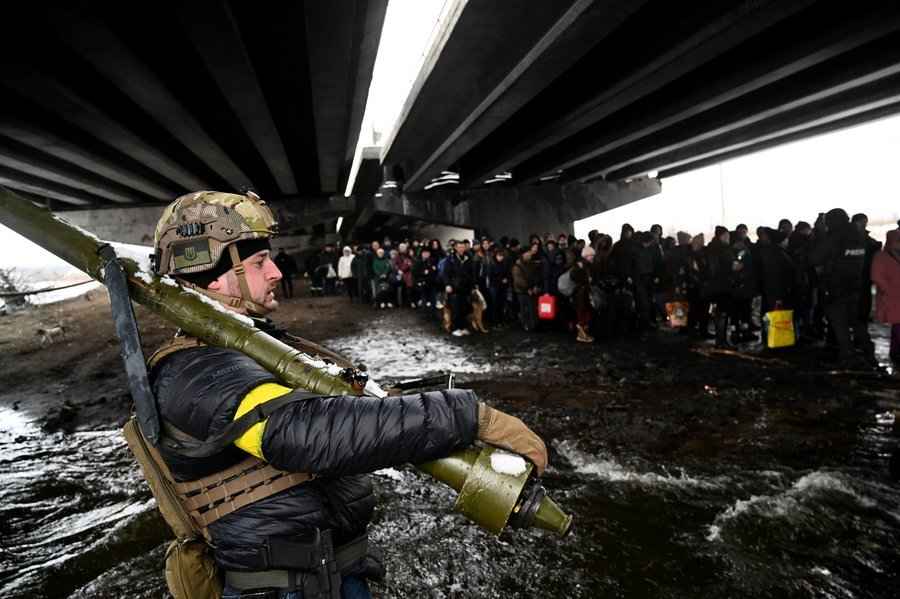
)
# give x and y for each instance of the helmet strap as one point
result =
(227, 300)
(245, 300)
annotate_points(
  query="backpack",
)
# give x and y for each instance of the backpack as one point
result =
(442, 268)
(565, 285)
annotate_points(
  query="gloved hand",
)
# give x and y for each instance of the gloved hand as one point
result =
(502, 430)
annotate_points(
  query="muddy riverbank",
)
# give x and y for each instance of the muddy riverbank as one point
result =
(689, 471)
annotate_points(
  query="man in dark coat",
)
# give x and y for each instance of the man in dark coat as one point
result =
(840, 259)
(425, 278)
(744, 287)
(288, 267)
(777, 274)
(623, 258)
(720, 265)
(526, 277)
(499, 281)
(459, 279)
(329, 262)
(361, 273)
(554, 265)
(798, 249)
(202, 389)
(646, 267)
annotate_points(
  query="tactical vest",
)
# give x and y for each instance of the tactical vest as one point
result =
(190, 507)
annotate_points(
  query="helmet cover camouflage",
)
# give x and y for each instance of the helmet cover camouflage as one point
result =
(196, 228)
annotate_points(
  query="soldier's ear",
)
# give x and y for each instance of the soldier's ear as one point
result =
(218, 283)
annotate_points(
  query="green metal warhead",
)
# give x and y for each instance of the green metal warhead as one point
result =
(495, 499)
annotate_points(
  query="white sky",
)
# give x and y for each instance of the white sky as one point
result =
(852, 169)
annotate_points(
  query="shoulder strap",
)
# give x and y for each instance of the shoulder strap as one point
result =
(171, 346)
(186, 445)
(309, 347)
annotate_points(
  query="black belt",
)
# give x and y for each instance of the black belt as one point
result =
(313, 567)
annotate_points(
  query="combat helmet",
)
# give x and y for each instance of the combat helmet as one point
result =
(197, 229)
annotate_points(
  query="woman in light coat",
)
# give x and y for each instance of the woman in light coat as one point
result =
(345, 272)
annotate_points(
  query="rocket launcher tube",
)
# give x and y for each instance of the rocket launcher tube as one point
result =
(488, 498)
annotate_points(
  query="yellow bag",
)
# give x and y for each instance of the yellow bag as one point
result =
(781, 328)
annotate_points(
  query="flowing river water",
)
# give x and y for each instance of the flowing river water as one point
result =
(821, 519)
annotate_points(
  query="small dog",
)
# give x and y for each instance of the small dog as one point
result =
(476, 318)
(49, 336)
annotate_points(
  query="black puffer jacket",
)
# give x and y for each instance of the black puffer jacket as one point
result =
(459, 273)
(339, 438)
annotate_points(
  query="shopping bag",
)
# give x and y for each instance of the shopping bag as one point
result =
(547, 307)
(677, 314)
(780, 324)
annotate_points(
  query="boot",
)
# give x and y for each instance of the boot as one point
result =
(582, 336)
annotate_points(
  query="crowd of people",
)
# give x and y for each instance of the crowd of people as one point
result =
(599, 287)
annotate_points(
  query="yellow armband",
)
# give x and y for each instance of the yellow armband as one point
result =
(251, 441)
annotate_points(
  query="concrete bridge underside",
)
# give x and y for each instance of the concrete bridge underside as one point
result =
(121, 105)
(586, 90)
(124, 106)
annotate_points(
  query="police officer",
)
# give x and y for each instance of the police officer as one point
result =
(839, 259)
(218, 243)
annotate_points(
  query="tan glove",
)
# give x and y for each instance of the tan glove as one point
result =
(502, 430)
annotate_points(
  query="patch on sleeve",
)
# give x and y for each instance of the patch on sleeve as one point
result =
(251, 441)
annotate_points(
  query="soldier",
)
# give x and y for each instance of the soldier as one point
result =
(279, 544)
(840, 258)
